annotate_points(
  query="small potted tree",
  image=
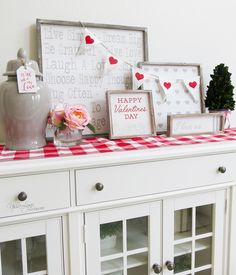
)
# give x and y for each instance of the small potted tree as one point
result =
(219, 94)
(108, 234)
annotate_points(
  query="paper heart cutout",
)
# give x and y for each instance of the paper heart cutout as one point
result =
(192, 84)
(89, 39)
(160, 125)
(139, 76)
(159, 114)
(167, 85)
(113, 60)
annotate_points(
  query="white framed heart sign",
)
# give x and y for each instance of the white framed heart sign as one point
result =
(177, 88)
(130, 113)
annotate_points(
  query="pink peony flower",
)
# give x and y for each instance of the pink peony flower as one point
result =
(57, 116)
(76, 117)
(70, 118)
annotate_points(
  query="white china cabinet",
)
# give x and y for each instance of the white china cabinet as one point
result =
(156, 211)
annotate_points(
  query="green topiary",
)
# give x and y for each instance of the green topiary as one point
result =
(110, 229)
(220, 90)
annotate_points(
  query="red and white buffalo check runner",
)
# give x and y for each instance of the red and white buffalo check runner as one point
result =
(96, 145)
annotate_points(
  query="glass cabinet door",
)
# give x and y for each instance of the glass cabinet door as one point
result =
(27, 248)
(123, 239)
(197, 233)
(28, 253)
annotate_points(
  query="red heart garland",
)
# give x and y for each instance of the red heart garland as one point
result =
(89, 39)
(113, 60)
(167, 85)
(192, 84)
(139, 76)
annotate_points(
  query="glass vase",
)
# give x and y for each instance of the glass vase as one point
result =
(67, 137)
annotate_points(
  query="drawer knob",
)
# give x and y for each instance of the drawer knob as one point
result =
(157, 268)
(222, 169)
(22, 196)
(99, 186)
(170, 265)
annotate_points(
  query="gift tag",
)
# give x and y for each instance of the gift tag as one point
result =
(26, 80)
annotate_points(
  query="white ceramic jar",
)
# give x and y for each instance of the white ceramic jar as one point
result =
(24, 116)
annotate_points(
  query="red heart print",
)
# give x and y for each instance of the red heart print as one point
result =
(113, 60)
(89, 39)
(139, 76)
(167, 85)
(192, 84)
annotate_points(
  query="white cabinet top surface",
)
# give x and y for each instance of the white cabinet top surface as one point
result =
(115, 158)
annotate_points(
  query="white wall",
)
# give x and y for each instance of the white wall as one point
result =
(200, 31)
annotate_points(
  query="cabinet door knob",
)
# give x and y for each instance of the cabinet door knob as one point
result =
(222, 169)
(99, 186)
(22, 196)
(157, 268)
(170, 265)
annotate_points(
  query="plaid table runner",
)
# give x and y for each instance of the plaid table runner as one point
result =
(96, 145)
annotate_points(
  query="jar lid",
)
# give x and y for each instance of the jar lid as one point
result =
(14, 64)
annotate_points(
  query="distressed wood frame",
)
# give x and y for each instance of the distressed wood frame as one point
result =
(87, 25)
(102, 101)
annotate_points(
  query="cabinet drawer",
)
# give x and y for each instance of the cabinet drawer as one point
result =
(133, 180)
(44, 192)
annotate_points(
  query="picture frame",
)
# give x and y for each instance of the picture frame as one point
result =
(76, 78)
(131, 114)
(178, 99)
(195, 124)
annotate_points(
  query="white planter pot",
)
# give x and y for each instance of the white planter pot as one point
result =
(108, 242)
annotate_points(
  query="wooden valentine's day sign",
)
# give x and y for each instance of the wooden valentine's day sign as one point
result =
(130, 113)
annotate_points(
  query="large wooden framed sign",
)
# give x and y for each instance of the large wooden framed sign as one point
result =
(76, 77)
(177, 89)
(130, 113)
(195, 124)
